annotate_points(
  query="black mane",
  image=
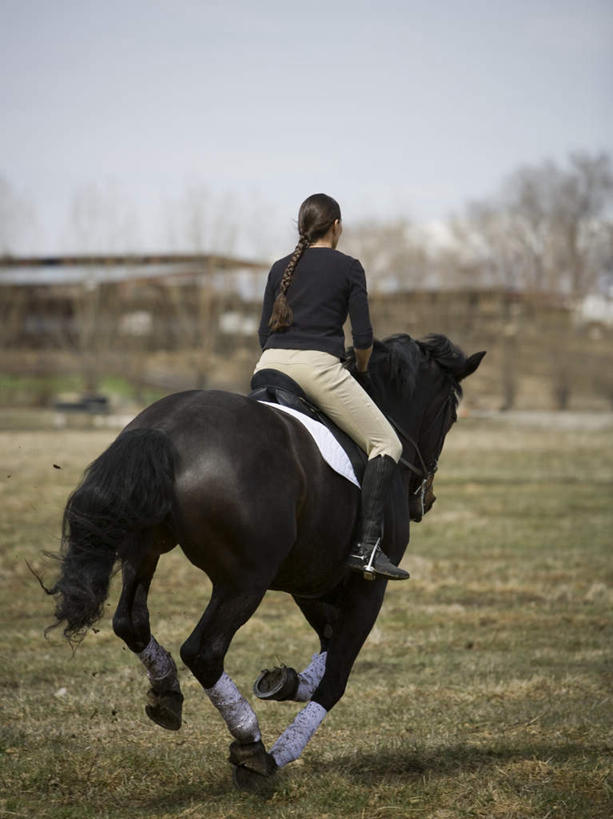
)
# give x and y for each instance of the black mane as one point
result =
(399, 357)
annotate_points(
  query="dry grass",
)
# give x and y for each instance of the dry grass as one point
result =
(483, 691)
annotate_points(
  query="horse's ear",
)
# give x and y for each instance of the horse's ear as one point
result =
(472, 362)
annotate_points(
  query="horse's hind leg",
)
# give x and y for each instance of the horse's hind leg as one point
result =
(131, 623)
(203, 653)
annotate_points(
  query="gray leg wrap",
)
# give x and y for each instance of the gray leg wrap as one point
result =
(235, 710)
(159, 664)
(309, 679)
(293, 740)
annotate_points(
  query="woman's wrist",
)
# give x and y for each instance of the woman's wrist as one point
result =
(362, 358)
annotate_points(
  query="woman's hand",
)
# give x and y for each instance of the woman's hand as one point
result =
(362, 357)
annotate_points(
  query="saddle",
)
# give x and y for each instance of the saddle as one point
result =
(277, 388)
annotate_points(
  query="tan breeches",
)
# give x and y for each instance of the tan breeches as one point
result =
(330, 387)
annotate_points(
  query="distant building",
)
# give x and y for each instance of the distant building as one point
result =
(596, 308)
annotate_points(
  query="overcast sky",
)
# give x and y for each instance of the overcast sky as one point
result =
(395, 107)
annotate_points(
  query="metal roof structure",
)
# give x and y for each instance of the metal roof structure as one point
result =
(99, 269)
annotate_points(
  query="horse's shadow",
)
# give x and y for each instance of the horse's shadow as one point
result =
(184, 797)
(395, 765)
(374, 768)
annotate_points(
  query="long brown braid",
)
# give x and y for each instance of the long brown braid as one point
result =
(316, 216)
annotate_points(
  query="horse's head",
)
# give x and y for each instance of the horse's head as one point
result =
(417, 385)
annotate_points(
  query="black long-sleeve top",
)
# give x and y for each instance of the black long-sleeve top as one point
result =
(326, 287)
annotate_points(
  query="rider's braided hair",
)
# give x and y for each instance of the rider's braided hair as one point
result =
(316, 216)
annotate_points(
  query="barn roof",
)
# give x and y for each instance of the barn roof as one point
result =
(97, 269)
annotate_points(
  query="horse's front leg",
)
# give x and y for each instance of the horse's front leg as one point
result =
(203, 653)
(285, 683)
(131, 623)
(357, 614)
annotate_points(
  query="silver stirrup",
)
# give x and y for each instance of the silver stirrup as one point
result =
(368, 573)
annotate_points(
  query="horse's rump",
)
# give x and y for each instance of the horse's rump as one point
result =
(251, 483)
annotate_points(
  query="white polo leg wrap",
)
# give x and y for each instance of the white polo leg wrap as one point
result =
(157, 661)
(235, 710)
(309, 679)
(293, 740)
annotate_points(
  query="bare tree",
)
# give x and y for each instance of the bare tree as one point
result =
(393, 253)
(201, 222)
(485, 248)
(529, 203)
(585, 192)
(17, 218)
(102, 220)
(546, 230)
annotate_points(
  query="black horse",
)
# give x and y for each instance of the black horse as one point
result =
(243, 489)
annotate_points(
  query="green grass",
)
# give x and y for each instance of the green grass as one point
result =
(484, 690)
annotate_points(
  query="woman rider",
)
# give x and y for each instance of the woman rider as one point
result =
(301, 334)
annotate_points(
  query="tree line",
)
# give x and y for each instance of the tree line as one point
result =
(548, 228)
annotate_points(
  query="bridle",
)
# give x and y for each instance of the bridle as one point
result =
(421, 470)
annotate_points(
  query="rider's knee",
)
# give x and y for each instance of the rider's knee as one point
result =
(390, 446)
(395, 449)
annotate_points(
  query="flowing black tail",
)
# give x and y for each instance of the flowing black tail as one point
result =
(125, 491)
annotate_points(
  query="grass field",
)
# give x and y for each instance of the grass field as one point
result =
(484, 690)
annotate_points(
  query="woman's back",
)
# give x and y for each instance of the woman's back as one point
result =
(326, 286)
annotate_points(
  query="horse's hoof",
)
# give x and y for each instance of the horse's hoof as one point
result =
(277, 684)
(254, 756)
(165, 709)
(247, 780)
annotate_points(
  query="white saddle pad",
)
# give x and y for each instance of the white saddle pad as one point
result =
(331, 451)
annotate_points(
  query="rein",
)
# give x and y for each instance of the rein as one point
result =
(424, 473)
(421, 473)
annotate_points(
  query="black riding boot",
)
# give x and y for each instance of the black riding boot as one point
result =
(366, 556)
